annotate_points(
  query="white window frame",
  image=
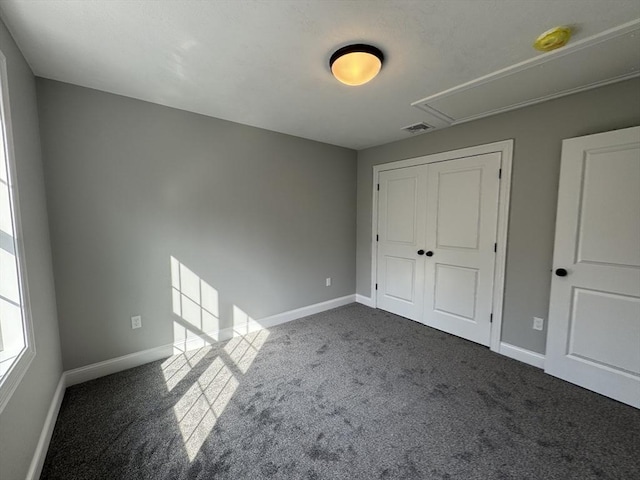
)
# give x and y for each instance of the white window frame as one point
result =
(16, 372)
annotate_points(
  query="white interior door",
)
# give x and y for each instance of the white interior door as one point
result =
(462, 219)
(594, 316)
(401, 223)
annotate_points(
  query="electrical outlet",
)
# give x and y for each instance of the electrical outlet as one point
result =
(136, 322)
(328, 282)
(538, 323)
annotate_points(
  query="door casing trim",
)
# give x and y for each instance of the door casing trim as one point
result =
(505, 148)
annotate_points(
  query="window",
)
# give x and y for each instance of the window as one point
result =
(16, 336)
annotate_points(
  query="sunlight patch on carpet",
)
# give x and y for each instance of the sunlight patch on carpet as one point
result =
(196, 305)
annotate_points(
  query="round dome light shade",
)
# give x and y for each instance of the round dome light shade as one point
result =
(356, 64)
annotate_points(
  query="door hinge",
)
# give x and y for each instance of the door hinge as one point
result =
(500, 173)
(491, 318)
(376, 286)
(378, 186)
(377, 238)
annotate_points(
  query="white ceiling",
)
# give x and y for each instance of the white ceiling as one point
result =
(265, 63)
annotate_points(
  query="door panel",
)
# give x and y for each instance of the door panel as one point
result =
(614, 343)
(400, 274)
(401, 208)
(462, 218)
(609, 195)
(594, 314)
(455, 291)
(458, 221)
(401, 223)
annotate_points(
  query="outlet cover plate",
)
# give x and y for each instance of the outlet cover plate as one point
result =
(136, 322)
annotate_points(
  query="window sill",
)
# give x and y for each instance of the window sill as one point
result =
(12, 378)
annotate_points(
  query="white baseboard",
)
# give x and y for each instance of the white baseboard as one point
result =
(306, 311)
(118, 364)
(368, 301)
(522, 354)
(37, 462)
(114, 365)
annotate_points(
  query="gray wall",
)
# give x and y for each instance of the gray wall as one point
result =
(23, 417)
(538, 132)
(261, 217)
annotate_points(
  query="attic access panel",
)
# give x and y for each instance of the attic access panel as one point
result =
(610, 57)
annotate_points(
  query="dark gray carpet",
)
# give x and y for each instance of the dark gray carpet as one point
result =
(352, 393)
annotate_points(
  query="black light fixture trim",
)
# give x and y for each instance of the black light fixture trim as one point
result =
(358, 47)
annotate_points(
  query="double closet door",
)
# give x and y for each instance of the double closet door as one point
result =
(436, 243)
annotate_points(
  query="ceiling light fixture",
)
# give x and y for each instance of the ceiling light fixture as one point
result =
(356, 64)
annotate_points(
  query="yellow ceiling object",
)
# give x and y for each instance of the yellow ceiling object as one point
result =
(551, 39)
(356, 64)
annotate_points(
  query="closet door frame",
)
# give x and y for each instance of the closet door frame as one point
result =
(505, 148)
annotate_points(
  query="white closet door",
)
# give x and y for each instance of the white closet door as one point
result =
(594, 316)
(462, 217)
(401, 223)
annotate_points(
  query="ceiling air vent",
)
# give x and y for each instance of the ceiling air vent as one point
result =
(418, 128)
